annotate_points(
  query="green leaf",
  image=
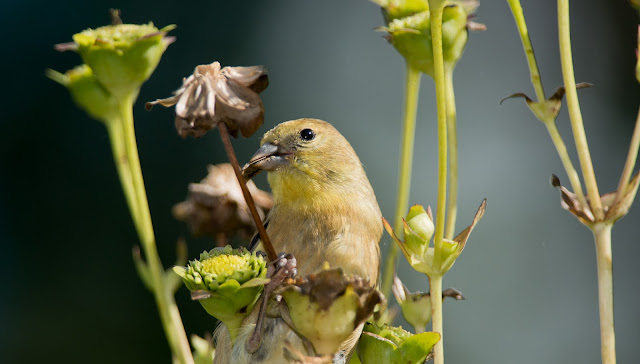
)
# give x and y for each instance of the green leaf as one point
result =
(415, 349)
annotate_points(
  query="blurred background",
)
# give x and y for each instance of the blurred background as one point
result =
(71, 293)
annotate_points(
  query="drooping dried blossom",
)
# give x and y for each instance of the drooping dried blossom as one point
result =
(216, 205)
(213, 94)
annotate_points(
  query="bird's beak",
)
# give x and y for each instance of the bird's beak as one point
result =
(267, 158)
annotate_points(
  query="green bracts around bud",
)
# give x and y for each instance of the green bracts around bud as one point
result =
(418, 229)
(409, 30)
(123, 56)
(328, 306)
(394, 345)
(227, 282)
(87, 92)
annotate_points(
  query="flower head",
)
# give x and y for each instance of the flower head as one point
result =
(216, 205)
(227, 282)
(393, 345)
(121, 56)
(327, 307)
(213, 94)
(408, 30)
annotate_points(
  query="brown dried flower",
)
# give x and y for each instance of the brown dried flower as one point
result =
(216, 207)
(212, 95)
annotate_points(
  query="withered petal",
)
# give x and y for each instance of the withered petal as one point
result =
(570, 202)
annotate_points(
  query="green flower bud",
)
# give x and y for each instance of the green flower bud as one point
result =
(227, 282)
(416, 306)
(417, 232)
(394, 345)
(327, 307)
(418, 228)
(121, 56)
(87, 92)
(409, 30)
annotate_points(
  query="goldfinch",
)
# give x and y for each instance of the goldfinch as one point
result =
(324, 211)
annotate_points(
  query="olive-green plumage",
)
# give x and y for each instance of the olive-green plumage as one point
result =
(325, 211)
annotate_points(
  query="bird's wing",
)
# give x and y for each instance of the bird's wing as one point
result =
(255, 241)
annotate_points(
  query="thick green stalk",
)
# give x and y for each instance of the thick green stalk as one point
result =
(435, 280)
(412, 90)
(169, 314)
(452, 138)
(438, 65)
(573, 107)
(116, 137)
(435, 289)
(602, 235)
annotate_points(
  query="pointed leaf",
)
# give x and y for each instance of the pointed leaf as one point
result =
(415, 349)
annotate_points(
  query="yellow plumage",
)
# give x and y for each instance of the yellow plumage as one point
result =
(325, 211)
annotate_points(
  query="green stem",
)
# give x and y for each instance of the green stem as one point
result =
(412, 90)
(516, 9)
(452, 138)
(574, 179)
(169, 314)
(438, 63)
(632, 155)
(435, 280)
(116, 137)
(435, 289)
(602, 235)
(574, 110)
(536, 81)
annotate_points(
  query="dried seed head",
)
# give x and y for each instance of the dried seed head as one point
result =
(213, 94)
(216, 205)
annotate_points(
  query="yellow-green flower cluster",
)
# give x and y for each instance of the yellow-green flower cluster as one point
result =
(227, 282)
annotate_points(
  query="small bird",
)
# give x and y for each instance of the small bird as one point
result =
(324, 211)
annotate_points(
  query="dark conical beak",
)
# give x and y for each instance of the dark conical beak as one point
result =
(267, 158)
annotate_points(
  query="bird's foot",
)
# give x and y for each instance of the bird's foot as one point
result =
(283, 267)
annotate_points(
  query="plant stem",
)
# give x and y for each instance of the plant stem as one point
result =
(602, 235)
(574, 110)
(438, 65)
(169, 314)
(574, 179)
(452, 138)
(116, 137)
(536, 81)
(412, 90)
(266, 242)
(435, 289)
(516, 9)
(630, 162)
(435, 280)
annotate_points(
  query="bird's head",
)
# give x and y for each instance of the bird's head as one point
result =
(306, 158)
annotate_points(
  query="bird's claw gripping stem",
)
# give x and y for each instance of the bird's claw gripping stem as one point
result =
(283, 267)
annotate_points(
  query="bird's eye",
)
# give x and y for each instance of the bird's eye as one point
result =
(307, 134)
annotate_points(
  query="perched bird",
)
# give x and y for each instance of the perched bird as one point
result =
(324, 211)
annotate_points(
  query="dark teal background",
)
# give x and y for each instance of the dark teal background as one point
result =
(70, 292)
